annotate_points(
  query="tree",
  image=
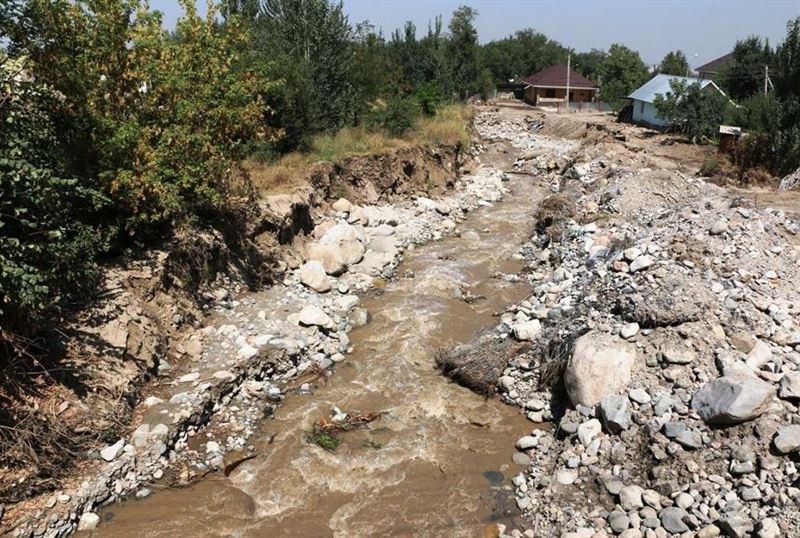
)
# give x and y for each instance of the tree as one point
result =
(691, 109)
(787, 62)
(621, 73)
(463, 54)
(589, 64)
(674, 63)
(521, 55)
(744, 74)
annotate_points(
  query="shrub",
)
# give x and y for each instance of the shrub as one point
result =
(47, 244)
(429, 98)
(710, 167)
(397, 117)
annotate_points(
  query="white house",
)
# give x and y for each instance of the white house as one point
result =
(643, 99)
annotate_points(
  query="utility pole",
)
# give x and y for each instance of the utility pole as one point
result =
(766, 78)
(569, 63)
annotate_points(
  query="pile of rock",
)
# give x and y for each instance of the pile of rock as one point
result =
(668, 313)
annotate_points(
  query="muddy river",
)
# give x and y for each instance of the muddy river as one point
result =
(438, 463)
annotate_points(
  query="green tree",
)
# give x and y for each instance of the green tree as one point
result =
(590, 64)
(691, 109)
(674, 63)
(522, 54)
(787, 62)
(622, 72)
(744, 74)
(463, 54)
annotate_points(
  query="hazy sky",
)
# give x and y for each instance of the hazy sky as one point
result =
(705, 28)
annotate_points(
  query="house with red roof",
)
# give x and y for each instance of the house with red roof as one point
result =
(549, 87)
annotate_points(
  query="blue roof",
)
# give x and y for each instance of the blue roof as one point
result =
(659, 84)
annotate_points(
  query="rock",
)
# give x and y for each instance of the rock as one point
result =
(672, 519)
(677, 355)
(630, 498)
(342, 205)
(340, 246)
(767, 528)
(313, 275)
(787, 439)
(527, 442)
(618, 521)
(710, 531)
(735, 525)
(152, 401)
(314, 316)
(615, 413)
(790, 386)
(720, 226)
(600, 366)
(732, 399)
(111, 452)
(639, 396)
(527, 330)
(566, 477)
(629, 330)
(588, 430)
(642, 262)
(689, 439)
(88, 522)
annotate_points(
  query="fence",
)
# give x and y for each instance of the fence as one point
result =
(577, 107)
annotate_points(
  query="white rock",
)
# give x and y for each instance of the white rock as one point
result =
(588, 430)
(314, 316)
(111, 452)
(642, 262)
(630, 497)
(527, 330)
(629, 330)
(312, 274)
(88, 521)
(600, 365)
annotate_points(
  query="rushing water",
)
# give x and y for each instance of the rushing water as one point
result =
(445, 465)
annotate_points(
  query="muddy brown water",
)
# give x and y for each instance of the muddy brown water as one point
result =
(445, 464)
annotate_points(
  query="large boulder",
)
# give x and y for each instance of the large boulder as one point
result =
(340, 246)
(731, 399)
(600, 366)
(312, 274)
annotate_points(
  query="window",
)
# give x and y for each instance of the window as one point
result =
(550, 92)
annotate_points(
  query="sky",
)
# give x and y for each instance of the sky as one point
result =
(703, 29)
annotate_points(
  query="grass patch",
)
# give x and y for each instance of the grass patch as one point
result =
(324, 440)
(374, 445)
(450, 125)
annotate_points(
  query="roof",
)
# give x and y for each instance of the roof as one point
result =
(730, 130)
(715, 66)
(660, 85)
(555, 76)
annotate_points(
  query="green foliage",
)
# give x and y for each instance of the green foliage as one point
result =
(589, 64)
(787, 62)
(463, 54)
(689, 109)
(397, 117)
(621, 73)
(744, 74)
(521, 55)
(47, 242)
(710, 167)
(674, 63)
(324, 440)
(429, 97)
(773, 125)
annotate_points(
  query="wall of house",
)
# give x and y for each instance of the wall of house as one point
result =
(646, 113)
(533, 94)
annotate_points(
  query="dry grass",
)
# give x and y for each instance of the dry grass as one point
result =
(449, 126)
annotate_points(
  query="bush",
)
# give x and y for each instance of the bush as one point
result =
(47, 242)
(397, 117)
(429, 98)
(773, 141)
(710, 167)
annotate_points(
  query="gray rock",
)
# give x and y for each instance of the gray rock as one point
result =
(566, 477)
(672, 519)
(588, 430)
(642, 262)
(689, 439)
(618, 521)
(790, 386)
(720, 226)
(527, 330)
(639, 396)
(615, 412)
(732, 399)
(629, 330)
(526, 442)
(735, 525)
(787, 439)
(600, 365)
(673, 429)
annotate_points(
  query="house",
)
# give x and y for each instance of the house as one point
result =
(714, 67)
(548, 87)
(643, 99)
